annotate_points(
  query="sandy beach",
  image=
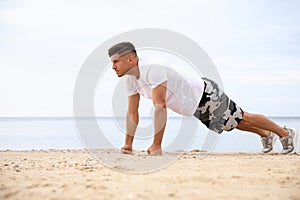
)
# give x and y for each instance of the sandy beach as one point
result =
(78, 174)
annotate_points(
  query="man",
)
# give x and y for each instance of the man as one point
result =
(190, 96)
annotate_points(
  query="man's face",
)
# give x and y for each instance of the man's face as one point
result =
(121, 64)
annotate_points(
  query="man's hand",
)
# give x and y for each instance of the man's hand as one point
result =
(154, 150)
(126, 149)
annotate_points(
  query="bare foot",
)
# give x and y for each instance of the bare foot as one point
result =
(154, 150)
(126, 149)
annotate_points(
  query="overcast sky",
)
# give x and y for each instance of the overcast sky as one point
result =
(255, 46)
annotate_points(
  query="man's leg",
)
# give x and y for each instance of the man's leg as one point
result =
(260, 132)
(224, 114)
(260, 125)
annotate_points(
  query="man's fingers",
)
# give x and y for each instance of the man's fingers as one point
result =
(155, 153)
(126, 151)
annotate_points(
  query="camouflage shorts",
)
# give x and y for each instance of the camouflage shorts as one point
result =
(216, 110)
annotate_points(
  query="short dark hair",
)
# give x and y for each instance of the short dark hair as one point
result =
(121, 48)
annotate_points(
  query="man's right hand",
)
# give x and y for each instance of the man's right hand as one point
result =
(126, 149)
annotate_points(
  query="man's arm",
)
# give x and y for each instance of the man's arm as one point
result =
(132, 120)
(160, 118)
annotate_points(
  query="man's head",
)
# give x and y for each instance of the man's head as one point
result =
(124, 58)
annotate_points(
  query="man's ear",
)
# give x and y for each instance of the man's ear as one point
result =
(130, 58)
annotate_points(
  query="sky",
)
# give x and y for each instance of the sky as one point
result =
(255, 46)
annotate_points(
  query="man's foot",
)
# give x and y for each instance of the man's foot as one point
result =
(126, 149)
(154, 150)
(268, 142)
(289, 143)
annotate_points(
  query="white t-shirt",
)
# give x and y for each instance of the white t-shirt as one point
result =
(184, 91)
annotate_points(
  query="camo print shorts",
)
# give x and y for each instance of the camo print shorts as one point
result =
(216, 110)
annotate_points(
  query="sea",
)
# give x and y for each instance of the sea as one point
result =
(43, 133)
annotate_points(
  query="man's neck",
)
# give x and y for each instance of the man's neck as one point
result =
(134, 71)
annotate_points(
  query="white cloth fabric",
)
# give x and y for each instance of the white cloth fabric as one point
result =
(184, 91)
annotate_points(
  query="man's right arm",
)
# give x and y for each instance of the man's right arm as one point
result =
(132, 120)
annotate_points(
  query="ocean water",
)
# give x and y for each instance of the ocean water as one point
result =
(61, 133)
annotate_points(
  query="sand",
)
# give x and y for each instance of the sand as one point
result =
(78, 174)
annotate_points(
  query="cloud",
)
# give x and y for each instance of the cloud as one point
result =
(260, 70)
(44, 43)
